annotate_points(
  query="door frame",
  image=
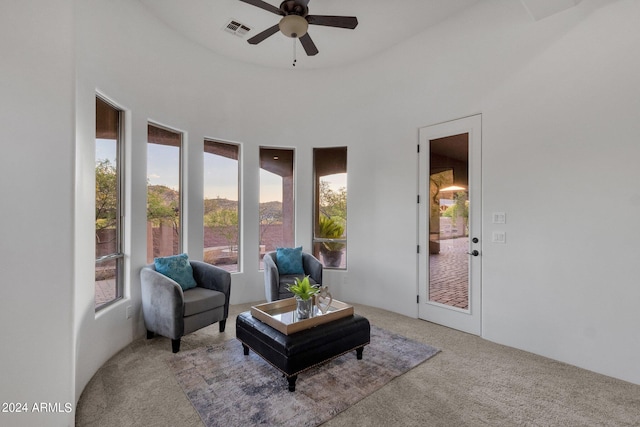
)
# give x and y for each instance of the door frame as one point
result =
(469, 320)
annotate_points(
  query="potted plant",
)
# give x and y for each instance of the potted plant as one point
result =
(328, 228)
(303, 291)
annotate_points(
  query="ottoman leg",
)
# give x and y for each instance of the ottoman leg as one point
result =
(292, 382)
(245, 349)
(359, 352)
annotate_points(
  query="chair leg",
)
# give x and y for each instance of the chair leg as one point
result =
(175, 345)
(223, 324)
(150, 334)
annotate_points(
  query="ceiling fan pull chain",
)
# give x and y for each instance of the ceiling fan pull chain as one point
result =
(294, 51)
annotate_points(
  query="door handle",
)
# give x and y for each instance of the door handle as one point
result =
(474, 253)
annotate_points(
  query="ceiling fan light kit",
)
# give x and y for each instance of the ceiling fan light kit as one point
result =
(293, 26)
(295, 22)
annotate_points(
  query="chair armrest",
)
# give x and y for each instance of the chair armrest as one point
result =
(271, 277)
(312, 267)
(162, 304)
(214, 278)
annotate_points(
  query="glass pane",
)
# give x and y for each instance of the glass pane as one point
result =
(276, 200)
(107, 200)
(330, 231)
(331, 255)
(106, 197)
(221, 191)
(448, 221)
(107, 275)
(163, 192)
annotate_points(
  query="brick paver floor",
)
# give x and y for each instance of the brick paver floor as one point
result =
(105, 291)
(449, 273)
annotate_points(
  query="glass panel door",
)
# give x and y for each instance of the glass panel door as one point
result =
(449, 221)
(449, 266)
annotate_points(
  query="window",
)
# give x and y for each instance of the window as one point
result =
(330, 210)
(276, 199)
(163, 192)
(221, 210)
(108, 216)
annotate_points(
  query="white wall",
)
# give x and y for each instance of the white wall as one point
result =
(559, 103)
(546, 91)
(559, 100)
(154, 75)
(36, 217)
(562, 137)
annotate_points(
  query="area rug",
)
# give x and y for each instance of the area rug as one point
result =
(230, 389)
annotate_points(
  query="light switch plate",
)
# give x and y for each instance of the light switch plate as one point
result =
(499, 218)
(499, 237)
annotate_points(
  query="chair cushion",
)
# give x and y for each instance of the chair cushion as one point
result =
(176, 267)
(289, 260)
(198, 300)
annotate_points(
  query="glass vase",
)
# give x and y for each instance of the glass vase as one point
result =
(304, 307)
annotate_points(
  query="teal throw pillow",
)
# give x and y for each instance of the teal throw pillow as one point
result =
(177, 267)
(289, 260)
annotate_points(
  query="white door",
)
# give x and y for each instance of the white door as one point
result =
(450, 240)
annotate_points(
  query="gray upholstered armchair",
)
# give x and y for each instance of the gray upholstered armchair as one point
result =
(171, 312)
(276, 284)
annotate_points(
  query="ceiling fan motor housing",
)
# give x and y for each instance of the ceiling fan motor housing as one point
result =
(293, 7)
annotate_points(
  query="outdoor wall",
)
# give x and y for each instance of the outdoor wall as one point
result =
(37, 363)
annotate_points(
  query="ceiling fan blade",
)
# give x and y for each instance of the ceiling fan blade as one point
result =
(263, 35)
(349, 22)
(308, 45)
(264, 5)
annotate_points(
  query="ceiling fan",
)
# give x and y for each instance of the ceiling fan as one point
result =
(296, 20)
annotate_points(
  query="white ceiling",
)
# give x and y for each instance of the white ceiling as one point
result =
(382, 24)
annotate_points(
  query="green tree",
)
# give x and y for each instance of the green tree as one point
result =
(270, 214)
(225, 221)
(333, 203)
(106, 195)
(163, 206)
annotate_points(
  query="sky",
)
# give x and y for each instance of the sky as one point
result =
(220, 173)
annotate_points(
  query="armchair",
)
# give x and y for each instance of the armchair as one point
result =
(171, 312)
(276, 284)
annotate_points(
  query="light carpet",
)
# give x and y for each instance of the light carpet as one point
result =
(229, 389)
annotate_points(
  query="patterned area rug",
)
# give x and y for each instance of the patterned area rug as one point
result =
(230, 389)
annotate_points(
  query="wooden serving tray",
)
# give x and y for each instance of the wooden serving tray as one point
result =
(281, 315)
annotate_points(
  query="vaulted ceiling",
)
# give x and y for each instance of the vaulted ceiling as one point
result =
(381, 24)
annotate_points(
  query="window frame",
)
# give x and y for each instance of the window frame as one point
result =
(315, 240)
(181, 195)
(287, 153)
(239, 195)
(119, 255)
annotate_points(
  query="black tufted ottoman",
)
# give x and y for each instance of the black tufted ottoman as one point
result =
(294, 353)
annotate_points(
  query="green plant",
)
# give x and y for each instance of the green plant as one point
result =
(328, 228)
(303, 289)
